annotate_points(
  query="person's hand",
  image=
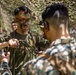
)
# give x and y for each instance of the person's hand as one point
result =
(5, 57)
(13, 43)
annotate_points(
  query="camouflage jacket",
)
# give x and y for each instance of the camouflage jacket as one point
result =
(40, 66)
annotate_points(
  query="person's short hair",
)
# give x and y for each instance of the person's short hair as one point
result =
(55, 9)
(23, 8)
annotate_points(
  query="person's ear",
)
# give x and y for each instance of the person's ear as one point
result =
(46, 25)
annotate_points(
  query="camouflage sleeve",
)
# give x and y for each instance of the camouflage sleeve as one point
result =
(3, 39)
(38, 67)
(42, 43)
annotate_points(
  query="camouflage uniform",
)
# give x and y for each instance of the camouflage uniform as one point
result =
(41, 66)
(23, 53)
(41, 43)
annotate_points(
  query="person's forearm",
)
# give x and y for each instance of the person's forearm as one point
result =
(4, 44)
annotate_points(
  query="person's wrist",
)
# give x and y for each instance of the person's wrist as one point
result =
(8, 44)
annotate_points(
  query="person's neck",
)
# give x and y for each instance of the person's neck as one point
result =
(61, 34)
(65, 35)
(22, 32)
(62, 31)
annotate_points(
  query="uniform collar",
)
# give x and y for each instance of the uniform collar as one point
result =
(62, 40)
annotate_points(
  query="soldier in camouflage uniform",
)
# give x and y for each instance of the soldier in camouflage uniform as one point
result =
(59, 59)
(26, 49)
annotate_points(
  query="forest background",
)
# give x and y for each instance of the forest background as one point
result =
(37, 6)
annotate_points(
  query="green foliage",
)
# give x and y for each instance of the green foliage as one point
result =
(37, 6)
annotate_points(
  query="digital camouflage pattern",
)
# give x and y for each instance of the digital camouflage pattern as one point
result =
(40, 66)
